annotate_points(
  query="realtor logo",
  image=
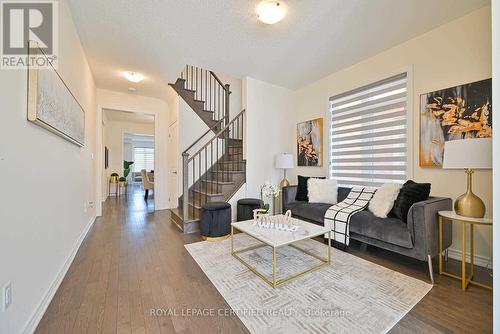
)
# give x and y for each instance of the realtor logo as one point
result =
(28, 23)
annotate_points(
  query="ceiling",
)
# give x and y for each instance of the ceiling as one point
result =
(316, 37)
(138, 138)
(125, 116)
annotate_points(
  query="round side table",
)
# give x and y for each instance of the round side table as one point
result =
(451, 216)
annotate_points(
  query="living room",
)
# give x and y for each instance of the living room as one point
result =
(319, 166)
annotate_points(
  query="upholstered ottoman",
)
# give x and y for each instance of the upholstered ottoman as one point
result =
(215, 220)
(245, 207)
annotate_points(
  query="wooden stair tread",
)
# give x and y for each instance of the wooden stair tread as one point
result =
(207, 193)
(228, 171)
(232, 162)
(177, 215)
(219, 182)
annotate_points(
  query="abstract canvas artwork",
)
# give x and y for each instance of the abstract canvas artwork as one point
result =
(52, 106)
(310, 143)
(460, 112)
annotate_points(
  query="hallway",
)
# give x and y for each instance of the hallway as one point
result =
(132, 261)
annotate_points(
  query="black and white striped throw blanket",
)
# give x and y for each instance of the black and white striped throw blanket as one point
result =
(337, 217)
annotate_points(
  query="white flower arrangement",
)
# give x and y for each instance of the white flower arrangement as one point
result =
(269, 190)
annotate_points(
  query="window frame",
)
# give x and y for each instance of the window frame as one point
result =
(409, 116)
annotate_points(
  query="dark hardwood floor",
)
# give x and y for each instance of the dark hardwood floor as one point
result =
(134, 260)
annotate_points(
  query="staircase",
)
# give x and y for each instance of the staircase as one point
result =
(213, 168)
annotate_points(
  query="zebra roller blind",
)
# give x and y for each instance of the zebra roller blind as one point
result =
(144, 158)
(369, 134)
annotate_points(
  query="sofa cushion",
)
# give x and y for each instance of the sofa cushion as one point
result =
(310, 211)
(410, 193)
(390, 230)
(322, 191)
(302, 193)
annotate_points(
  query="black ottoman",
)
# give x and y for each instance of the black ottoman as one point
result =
(245, 207)
(215, 220)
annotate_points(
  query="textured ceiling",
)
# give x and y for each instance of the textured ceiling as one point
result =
(316, 38)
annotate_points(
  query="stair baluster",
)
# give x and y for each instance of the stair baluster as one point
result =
(217, 169)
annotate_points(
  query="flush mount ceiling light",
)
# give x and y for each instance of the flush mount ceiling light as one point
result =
(133, 76)
(271, 12)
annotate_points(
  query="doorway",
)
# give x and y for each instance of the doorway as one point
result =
(129, 154)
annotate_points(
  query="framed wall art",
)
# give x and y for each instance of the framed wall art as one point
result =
(310, 143)
(459, 112)
(51, 104)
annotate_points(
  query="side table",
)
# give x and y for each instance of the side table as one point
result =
(452, 217)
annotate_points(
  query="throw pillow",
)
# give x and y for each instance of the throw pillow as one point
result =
(383, 200)
(322, 191)
(410, 193)
(302, 188)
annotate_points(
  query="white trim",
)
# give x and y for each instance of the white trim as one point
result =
(37, 315)
(410, 124)
(479, 260)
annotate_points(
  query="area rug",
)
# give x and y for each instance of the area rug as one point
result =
(351, 295)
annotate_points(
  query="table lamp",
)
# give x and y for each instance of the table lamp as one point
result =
(284, 161)
(468, 154)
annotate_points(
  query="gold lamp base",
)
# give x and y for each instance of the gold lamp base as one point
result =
(469, 204)
(284, 183)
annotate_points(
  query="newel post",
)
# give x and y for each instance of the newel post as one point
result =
(226, 111)
(185, 187)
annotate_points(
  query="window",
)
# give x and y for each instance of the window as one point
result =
(369, 134)
(144, 158)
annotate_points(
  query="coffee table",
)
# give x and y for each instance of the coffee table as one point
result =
(274, 238)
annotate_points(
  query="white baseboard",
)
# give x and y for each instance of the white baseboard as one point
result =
(37, 315)
(479, 260)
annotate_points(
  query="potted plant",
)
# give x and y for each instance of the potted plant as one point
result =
(113, 178)
(126, 167)
(268, 191)
(123, 181)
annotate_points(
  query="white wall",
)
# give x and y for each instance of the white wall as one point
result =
(235, 99)
(46, 181)
(104, 171)
(496, 166)
(269, 120)
(107, 99)
(174, 169)
(453, 54)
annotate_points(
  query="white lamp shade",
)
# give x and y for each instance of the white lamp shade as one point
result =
(473, 153)
(284, 161)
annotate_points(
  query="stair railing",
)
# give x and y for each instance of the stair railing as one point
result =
(201, 171)
(209, 88)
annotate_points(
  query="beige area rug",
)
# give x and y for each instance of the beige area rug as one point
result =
(351, 295)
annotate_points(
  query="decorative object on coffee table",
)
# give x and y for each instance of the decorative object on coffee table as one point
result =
(277, 239)
(284, 161)
(245, 207)
(215, 221)
(455, 218)
(468, 154)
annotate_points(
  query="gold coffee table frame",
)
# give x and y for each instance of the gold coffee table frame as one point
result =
(279, 282)
(464, 221)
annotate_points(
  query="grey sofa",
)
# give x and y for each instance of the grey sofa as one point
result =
(418, 238)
